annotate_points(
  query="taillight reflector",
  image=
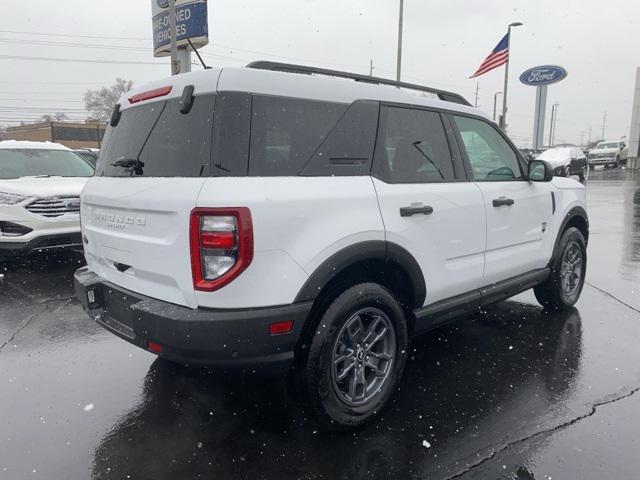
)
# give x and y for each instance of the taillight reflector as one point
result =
(278, 328)
(154, 347)
(149, 94)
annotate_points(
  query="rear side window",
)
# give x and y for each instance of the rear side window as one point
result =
(412, 147)
(285, 133)
(156, 140)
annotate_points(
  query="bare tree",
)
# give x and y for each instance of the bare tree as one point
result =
(54, 117)
(100, 102)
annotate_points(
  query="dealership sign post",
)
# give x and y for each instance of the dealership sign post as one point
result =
(191, 28)
(540, 77)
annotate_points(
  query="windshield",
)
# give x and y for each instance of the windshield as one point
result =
(17, 163)
(607, 145)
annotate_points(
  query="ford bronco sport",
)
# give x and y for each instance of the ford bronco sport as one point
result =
(310, 222)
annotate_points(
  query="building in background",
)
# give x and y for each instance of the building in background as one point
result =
(634, 135)
(69, 134)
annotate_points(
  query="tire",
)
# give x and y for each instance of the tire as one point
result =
(564, 285)
(591, 167)
(617, 164)
(339, 335)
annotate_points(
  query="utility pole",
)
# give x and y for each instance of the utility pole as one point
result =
(582, 138)
(552, 126)
(371, 67)
(399, 57)
(477, 90)
(555, 122)
(175, 65)
(604, 122)
(503, 119)
(589, 141)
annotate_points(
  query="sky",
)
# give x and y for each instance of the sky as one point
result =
(443, 44)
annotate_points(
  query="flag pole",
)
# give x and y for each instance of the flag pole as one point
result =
(503, 118)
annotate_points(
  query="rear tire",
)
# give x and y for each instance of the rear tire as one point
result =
(356, 357)
(568, 269)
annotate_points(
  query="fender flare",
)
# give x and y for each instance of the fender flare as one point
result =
(573, 212)
(369, 250)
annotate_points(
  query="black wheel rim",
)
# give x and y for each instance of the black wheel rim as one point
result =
(363, 356)
(571, 269)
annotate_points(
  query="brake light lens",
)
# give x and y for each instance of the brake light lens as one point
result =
(149, 94)
(221, 245)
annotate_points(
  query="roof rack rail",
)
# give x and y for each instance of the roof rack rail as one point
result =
(291, 68)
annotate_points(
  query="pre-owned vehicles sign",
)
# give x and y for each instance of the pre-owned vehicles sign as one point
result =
(191, 24)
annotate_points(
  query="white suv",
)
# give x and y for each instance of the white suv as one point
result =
(278, 217)
(40, 184)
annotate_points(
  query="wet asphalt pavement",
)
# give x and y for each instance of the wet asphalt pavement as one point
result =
(512, 392)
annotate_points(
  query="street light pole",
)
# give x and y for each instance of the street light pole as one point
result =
(503, 119)
(495, 104)
(399, 57)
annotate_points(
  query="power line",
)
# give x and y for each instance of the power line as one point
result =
(77, 60)
(123, 47)
(74, 36)
(31, 100)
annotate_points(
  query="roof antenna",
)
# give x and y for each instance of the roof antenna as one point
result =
(204, 65)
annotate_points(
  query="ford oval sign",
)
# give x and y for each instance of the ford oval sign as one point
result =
(543, 75)
(163, 3)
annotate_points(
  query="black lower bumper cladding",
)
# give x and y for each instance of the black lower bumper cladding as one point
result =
(224, 338)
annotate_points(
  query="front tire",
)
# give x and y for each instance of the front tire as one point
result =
(568, 269)
(584, 174)
(356, 357)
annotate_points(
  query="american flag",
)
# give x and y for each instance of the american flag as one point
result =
(497, 57)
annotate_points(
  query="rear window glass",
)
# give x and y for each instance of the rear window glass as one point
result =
(156, 140)
(16, 163)
(412, 147)
(285, 132)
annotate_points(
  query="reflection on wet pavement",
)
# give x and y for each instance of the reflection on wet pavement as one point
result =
(505, 393)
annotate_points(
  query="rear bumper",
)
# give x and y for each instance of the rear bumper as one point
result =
(226, 339)
(42, 243)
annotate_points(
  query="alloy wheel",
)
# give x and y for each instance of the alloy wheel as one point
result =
(571, 269)
(363, 356)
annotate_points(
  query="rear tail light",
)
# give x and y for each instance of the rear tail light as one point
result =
(221, 245)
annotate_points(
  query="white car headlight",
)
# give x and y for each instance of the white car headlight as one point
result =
(11, 198)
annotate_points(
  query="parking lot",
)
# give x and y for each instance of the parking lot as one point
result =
(510, 392)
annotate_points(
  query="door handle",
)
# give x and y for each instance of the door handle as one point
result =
(503, 201)
(422, 209)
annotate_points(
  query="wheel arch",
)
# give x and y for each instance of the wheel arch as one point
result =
(575, 217)
(371, 260)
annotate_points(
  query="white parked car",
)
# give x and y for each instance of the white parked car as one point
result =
(274, 217)
(610, 153)
(566, 161)
(40, 185)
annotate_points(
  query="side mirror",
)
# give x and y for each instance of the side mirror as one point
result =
(540, 171)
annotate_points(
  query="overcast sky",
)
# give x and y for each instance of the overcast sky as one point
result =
(444, 42)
